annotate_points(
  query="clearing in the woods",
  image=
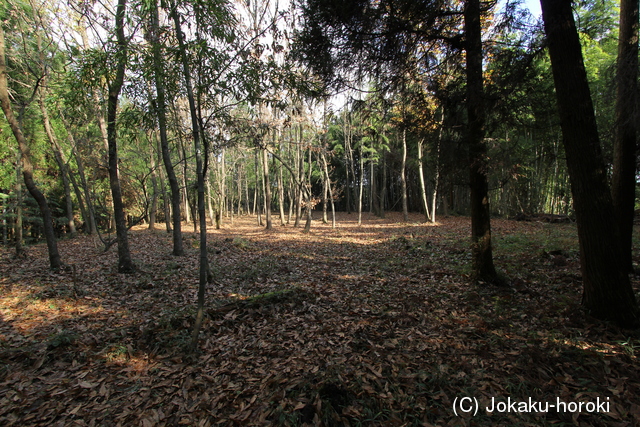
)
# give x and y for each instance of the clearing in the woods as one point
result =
(371, 325)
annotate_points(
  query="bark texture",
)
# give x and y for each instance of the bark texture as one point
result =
(482, 255)
(607, 292)
(623, 184)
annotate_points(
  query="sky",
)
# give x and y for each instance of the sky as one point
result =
(534, 6)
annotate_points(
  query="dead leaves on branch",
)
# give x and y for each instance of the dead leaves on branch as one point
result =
(372, 325)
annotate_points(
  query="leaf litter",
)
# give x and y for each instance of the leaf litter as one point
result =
(371, 325)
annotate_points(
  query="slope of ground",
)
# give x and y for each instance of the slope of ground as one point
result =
(371, 325)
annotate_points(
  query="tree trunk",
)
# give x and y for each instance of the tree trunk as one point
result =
(216, 204)
(267, 188)
(256, 199)
(5, 224)
(93, 226)
(18, 224)
(239, 181)
(607, 292)
(347, 186)
(217, 209)
(281, 196)
(154, 186)
(61, 161)
(325, 201)
(301, 174)
(255, 185)
(99, 115)
(102, 125)
(303, 185)
(185, 184)
(161, 105)
(360, 185)
(27, 167)
(482, 257)
(436, 178)
(623, 183)
(196, 218)
(372, 185)
(383, 185)
(328, 181)
(223, 183)
(90, 216)
(165, 203)
(423, 189)
(349, 149)
(403, 175)
(246, 186)
(195, 127)
(76, 189)
(125, 264)
(212, 216)
(291, 193)
(309, 207)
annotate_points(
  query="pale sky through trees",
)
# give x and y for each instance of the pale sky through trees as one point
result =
(533, 6)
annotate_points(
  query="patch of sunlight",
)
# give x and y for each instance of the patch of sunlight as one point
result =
(140, 364)
(27, 312)
(402, 224)
(122, 355)
(599, 347)
(349, 277)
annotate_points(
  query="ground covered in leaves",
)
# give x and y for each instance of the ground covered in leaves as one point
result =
(371, 325)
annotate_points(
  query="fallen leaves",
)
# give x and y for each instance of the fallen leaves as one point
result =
(371, 325)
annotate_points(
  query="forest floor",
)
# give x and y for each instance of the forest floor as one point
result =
(374, 325)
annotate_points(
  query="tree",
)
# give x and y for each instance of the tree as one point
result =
(18, 224)
(482, 257)
(61, 161)
(423, 189)
(195, 128)
(623, 184)
(161, 112)
(89, 216)
(212, 20)
(267, 184)
(327, 181)
(607, 292)
(403, 175)
(125, 263)
(27, 167)
(43, 92)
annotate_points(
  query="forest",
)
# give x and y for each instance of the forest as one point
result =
(319, 213)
